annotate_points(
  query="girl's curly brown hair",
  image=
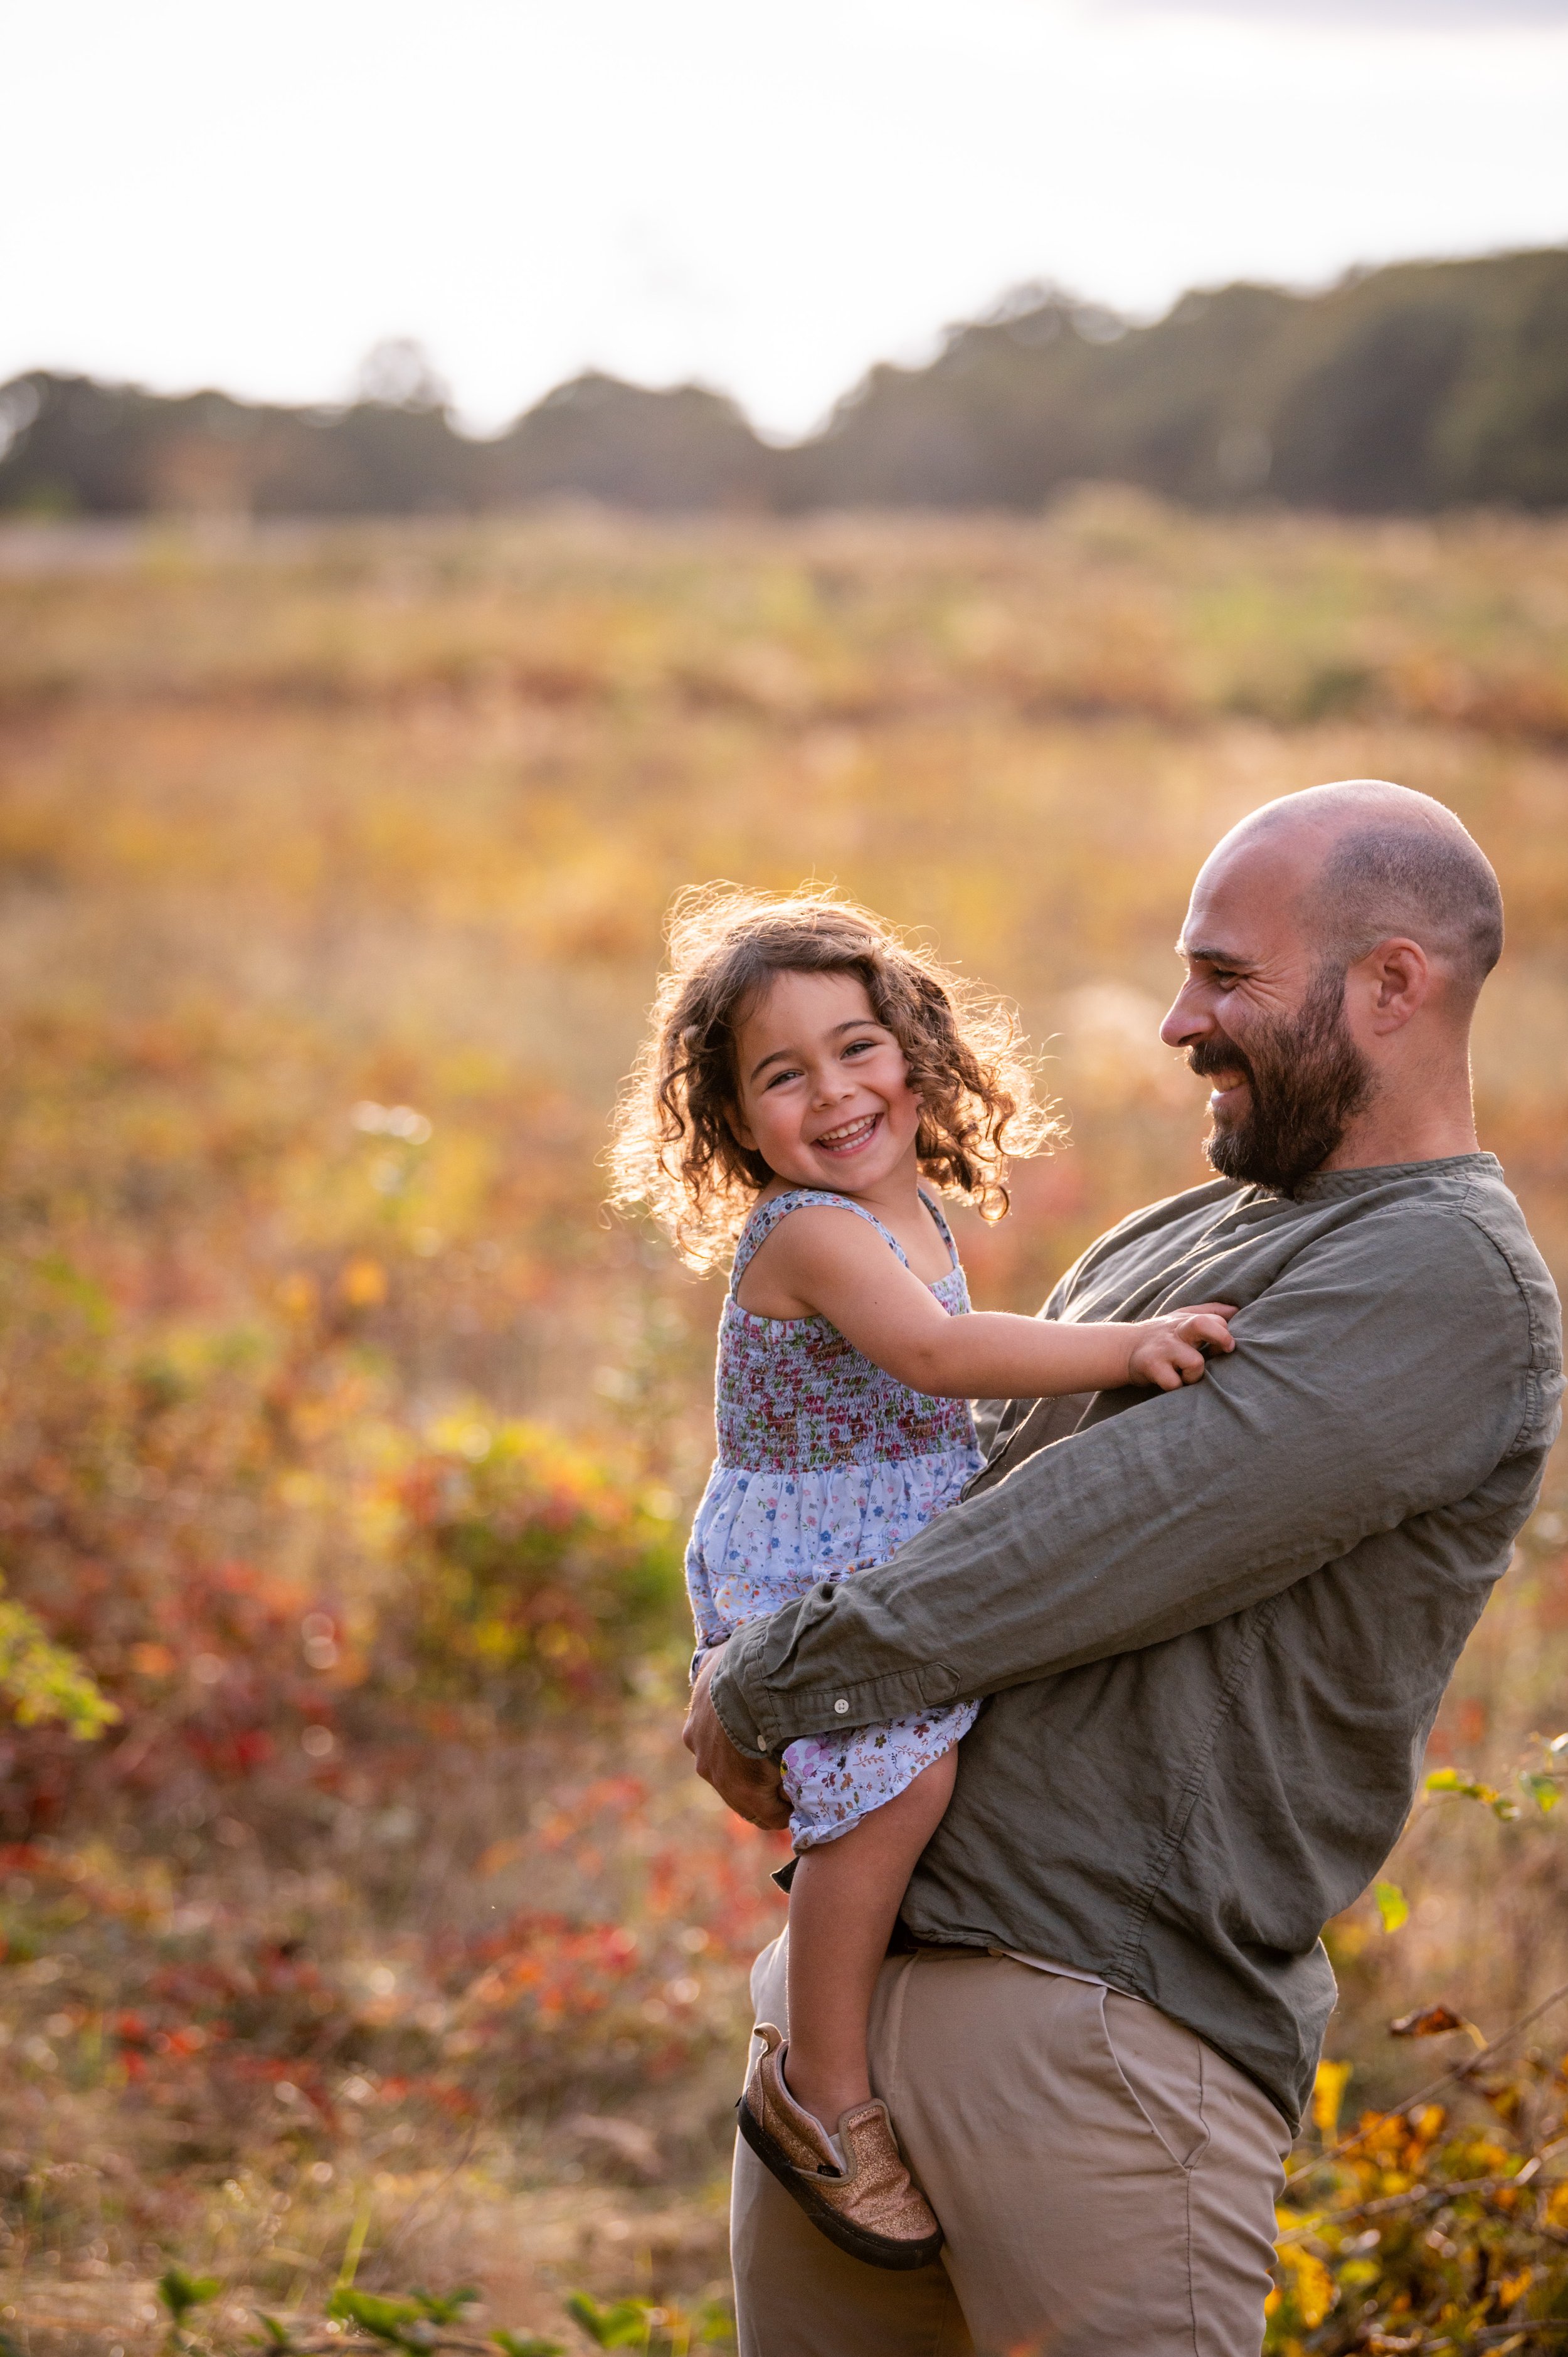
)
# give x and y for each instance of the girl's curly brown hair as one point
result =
(674, 1150)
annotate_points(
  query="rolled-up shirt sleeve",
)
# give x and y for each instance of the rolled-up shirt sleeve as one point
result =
(1381, 1376)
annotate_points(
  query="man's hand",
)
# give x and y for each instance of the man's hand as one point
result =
(750, 1787)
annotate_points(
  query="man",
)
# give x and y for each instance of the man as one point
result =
(1214, 1627)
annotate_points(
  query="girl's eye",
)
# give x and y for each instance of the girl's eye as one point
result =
(779, 1077)
(860, 1047)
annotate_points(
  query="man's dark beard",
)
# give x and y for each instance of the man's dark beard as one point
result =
(1307, 1079)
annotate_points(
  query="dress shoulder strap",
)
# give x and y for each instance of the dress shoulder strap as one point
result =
(943, 1230)
(766, 1216)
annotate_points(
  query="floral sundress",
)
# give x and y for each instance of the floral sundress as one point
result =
(826, 1465)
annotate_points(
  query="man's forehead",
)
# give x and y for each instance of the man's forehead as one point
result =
(1245, 906)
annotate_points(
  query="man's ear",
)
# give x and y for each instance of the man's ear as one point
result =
(1392, 982)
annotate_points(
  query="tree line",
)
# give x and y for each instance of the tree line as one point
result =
(1408, 389)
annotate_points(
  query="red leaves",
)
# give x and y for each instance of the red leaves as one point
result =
(228, 1753)
(1430, 2021)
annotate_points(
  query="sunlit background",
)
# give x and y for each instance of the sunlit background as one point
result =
(766, 197)
(361, 1926)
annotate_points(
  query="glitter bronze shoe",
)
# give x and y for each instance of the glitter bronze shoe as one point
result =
(874, 2210)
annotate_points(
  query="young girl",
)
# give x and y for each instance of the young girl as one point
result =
(805, 1072)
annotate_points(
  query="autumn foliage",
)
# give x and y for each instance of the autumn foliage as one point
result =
(355, 1902)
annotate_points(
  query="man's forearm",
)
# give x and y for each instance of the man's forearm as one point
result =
(1345, 1411)
(727, 1697)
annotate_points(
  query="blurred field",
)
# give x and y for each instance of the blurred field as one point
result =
(349, 1442)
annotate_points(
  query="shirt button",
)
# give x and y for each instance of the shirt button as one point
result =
(841, 1706)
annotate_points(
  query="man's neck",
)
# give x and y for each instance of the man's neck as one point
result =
(1408, 1125)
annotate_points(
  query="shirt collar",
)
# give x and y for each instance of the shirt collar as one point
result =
(1324, 1186)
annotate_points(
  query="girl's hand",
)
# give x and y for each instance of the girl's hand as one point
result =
(1171, 1351)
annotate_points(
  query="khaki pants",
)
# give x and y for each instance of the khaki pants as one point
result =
(1105, 2179)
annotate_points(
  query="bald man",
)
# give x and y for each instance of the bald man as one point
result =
(1211, 1628)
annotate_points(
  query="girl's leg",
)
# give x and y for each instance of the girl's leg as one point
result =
(843, 1902)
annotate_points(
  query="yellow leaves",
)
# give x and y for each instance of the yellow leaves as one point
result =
(1396, 2141)
(1327, 2093)
(1449, 1781)
(69, 1284)
(494, 1640)
(1514, 2287)
(532, 1556)
(1543, 1786)
(362, 1283)
(1310, 2289)
(41, 1680)
(305, 1492)
(298, 1296)
(1316, 2290)
(560, 1644)
(1392, 1906)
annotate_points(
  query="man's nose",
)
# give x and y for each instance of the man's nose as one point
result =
(1187, 1020)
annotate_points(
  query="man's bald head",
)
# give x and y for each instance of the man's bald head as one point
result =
(1378, 862)
(1335, 942)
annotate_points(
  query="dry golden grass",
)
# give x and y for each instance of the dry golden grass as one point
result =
(390, 816)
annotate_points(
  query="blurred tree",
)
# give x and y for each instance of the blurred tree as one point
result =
(598, 438)
(1421, 386)
(398, 373)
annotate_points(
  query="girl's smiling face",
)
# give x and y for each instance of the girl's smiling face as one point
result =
(823, 1090)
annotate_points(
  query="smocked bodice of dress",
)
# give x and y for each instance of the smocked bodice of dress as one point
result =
(827, 1464)
(793, 1396)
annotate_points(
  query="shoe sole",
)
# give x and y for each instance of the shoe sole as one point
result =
(874, 2250)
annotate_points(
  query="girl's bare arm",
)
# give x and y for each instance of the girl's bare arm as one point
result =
(828, 1264)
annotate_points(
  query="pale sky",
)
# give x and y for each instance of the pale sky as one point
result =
(766, 194)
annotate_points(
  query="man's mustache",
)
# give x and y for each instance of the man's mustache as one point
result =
(1222, 1055)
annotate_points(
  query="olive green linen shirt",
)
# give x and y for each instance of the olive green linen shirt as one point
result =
(1215, 1625)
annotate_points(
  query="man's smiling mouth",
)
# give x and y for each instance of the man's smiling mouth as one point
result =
(850, 1137)
(1226, 1081)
